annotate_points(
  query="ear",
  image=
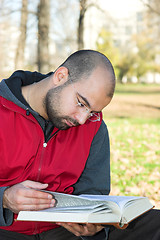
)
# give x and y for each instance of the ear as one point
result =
(60, 76)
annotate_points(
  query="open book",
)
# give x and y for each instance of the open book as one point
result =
(99, 209)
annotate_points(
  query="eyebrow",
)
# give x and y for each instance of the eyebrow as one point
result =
(85, 100)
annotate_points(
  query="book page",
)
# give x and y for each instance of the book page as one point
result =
(66, 200)
(121, 201)
(136, 208)
(74, 209)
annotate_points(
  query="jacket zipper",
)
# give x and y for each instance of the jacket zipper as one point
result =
(42, 154)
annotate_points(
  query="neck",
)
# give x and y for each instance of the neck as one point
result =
(34, 95)
(28, 93)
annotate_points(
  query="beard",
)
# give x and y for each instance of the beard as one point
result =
(52, 104)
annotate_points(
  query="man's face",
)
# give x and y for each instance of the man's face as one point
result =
(61, 103)
(54, 108)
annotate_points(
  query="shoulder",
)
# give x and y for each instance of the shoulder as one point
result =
(101, 133)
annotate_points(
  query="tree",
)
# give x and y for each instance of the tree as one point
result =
(83, 9)
(19, 59)
(63, 33)
(152, 27)
(153, 19)
(43, 15)
(84, 5)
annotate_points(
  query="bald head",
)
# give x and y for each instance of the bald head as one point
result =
(82, 63)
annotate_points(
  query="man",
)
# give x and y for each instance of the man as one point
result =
(52, 137)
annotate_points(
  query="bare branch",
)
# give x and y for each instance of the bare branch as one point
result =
(151, 8)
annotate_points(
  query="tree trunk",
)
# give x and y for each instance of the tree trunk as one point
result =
(43, 35)
(83, 8)
(19, 59)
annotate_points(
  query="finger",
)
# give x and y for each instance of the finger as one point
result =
(82, 229)
(35, 207)
(35, 185)
(37, 201)
(75, 228)
(93, 227)
(32, 193)
(34, 204)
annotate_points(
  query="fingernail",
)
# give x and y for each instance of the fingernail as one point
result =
(59, 223)
(52, 203)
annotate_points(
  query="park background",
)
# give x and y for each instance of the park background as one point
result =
(38, 35)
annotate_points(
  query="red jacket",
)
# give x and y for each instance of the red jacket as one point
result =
(24, 156)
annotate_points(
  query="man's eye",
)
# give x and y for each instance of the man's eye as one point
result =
(80, 104)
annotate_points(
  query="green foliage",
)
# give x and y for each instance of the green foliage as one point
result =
(145, 56)
(135, 59)
(105, 45)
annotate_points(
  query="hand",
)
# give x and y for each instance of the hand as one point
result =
(87, 229)
(25, 196)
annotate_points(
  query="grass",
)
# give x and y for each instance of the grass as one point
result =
(133, 120)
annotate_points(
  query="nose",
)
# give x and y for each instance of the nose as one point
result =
(81, 118)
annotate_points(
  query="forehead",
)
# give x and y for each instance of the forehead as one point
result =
(95, 88)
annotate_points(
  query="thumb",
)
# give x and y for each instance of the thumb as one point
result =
(35, 185)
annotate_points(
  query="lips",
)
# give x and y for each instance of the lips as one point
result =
(70, 124)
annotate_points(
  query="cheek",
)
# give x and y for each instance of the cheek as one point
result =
(67, 101)
(68, 107)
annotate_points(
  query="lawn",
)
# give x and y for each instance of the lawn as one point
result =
(133, 120)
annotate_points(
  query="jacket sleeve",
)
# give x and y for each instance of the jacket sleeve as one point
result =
(95, 178)
(6, 216)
